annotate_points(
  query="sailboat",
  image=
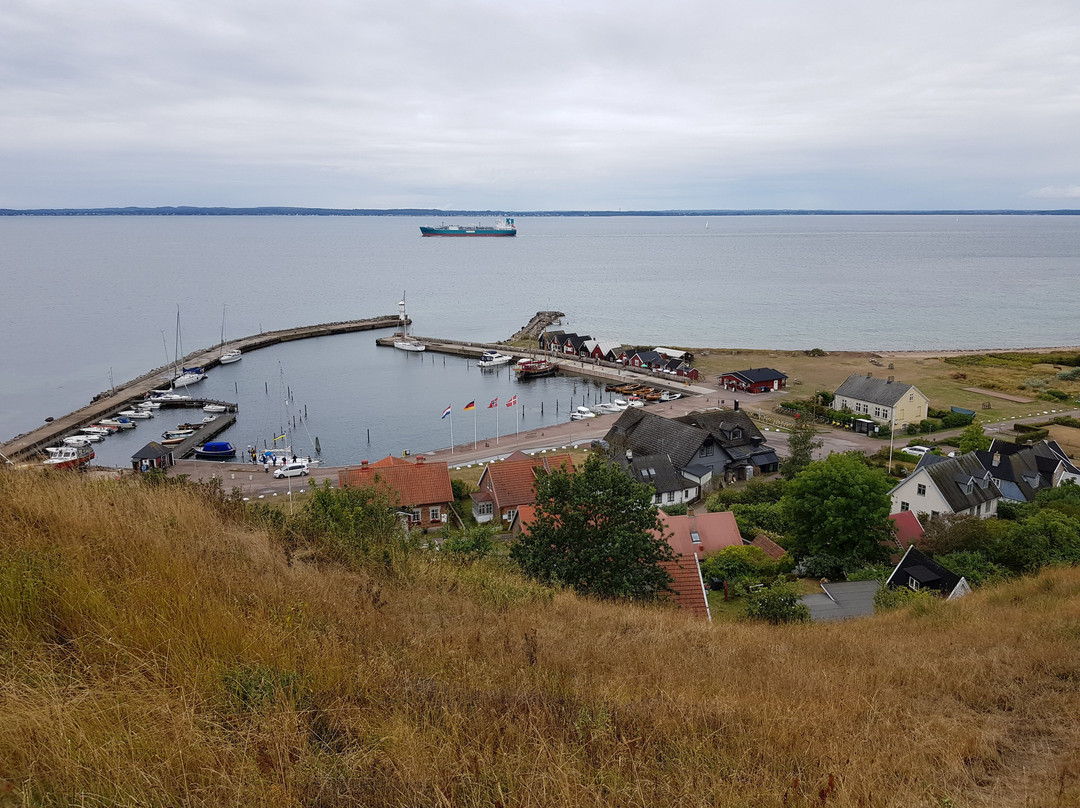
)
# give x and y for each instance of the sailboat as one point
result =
(187, 375)
(227, 357)
(406, 342)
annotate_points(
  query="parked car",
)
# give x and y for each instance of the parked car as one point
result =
(918, 451)
(296, 469)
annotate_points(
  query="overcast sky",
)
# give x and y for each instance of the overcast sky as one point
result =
(546, 104)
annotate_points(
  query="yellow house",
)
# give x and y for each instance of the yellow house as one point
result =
(884, 400)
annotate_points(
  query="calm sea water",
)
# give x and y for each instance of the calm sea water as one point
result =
(90, 300)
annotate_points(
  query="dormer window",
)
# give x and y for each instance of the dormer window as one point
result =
(694, 537)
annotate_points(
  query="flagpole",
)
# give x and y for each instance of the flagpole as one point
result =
(474, 427)
(496, 422)
(451, 431)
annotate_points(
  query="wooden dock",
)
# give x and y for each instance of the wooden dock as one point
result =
(207, 432)
(126, 395)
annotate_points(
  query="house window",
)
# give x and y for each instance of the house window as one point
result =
(911, 397)
(913, 584)
(694, 537)
(433, 513)
(509, 517)
(485, 508)
(656, 500)
(707, 450)
(905, 506)
(877, 412)
(921, 490)
(414, 516)
(670, 496)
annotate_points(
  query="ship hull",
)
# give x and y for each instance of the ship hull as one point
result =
(465, 232)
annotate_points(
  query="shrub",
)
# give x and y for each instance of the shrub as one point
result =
(1069, 375)
(911, 429)
(1054, 395)
(732, 563)
(974, 566)
(776, 604)
(874, 572)
(820, 566)
(676, 509)
(1035, 383)
(470, 544)
(888, 598)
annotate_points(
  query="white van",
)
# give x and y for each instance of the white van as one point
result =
(297, 469)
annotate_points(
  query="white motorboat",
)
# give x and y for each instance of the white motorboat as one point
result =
(581, 413)
(406, 342)
(493, 359)
(148, 405)
(122, 423)
(93, 437)
(213, 408)
(668, 396)
(229, 357)
(140, 415)
(170, 396)
(78, 440)
(606, 408)
(69, 457)
(97, 429)
(619, 405)
(634, 401)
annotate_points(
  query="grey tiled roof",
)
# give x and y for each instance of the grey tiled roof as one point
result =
(927, 572)
(655, 470)
(870, 388)
(952, 474)
(843, 600)
(650, 434)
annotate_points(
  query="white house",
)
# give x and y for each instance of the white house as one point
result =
(884, 400)
(947, 485)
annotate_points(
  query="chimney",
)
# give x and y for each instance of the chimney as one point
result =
(419, 460)
(363, 463)
(736, 407)
(869, 375)
(890, 381)
(629, 454)
(690, 511)
(997, 458)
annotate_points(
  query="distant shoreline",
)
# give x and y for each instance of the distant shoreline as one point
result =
(185, 210)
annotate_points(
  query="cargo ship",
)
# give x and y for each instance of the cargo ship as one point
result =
(505, 228)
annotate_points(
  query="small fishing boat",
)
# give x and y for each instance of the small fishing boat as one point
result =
(620, 405)
(171, 437)
(77, 440)
(532, 368)
(634, 401)
(93, 437)
(69, 457)
(581, 413)
(493, 359)
(668, 396)
(99, 430)
(148, 405)
(221, 450)
(213, 408)
(187, 426)
(606, 408)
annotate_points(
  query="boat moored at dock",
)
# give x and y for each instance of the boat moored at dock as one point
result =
(69, 457)
(533, 368)
(220, 450)
(493, 359)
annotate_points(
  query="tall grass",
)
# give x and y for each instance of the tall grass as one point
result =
(155, 652)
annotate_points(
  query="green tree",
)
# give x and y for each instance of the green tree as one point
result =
(801, 445)
(839, 507)
(972, 439)
(355, 524)
(597, 531)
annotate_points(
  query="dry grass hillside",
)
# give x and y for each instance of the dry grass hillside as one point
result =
(155, 649)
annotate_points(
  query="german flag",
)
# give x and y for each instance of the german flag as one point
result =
(470, 406)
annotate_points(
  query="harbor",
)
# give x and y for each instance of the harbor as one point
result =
(26, 446)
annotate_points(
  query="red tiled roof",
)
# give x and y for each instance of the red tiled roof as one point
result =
(715, 532)
(907, 528)
(390, 460)
(525, 516)
(411, 484)
(771, 548)
(687, 586)
(511, 480)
